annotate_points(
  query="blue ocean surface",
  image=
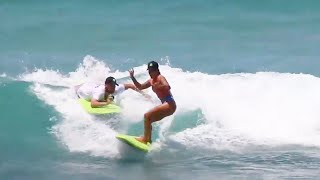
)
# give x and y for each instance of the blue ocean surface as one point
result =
(244, 74)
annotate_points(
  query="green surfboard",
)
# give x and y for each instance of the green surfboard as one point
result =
(131, 140)
(108, 109)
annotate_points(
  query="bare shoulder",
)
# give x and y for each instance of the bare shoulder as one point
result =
(161, 76)
(163, 80)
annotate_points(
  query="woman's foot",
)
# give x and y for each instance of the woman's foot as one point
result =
(141, 139)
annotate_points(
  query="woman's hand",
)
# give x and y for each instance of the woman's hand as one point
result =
(131, 72)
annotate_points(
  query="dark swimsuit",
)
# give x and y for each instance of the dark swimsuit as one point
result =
(167, 99)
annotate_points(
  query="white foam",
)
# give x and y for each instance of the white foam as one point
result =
(268, 107)
(238, 109)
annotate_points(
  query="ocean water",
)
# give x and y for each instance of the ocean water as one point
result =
(244, 74)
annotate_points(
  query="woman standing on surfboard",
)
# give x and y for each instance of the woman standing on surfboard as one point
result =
(162, 88)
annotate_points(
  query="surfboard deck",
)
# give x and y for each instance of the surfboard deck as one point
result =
(108, 109)
(131, 140)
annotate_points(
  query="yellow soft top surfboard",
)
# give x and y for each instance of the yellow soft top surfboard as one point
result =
(110, 108)
(131, 140)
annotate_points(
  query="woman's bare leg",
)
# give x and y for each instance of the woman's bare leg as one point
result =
(154, 115)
